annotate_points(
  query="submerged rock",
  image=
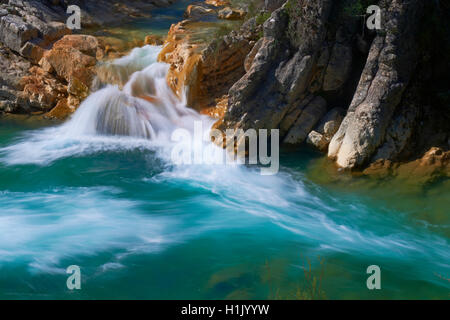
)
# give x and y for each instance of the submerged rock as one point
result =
(433, 165)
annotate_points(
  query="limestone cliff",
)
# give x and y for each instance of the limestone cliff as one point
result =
(317, 65)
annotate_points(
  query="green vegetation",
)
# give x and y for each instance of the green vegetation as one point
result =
(352, 8)
(262, 17)
(309, 289)
(252, 7)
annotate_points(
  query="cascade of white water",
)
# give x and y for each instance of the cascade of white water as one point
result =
(146, 107)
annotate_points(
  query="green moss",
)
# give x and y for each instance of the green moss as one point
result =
(252, 7)
(262, 17)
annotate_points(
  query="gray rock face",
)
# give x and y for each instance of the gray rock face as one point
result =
(306, 121)
(338, 68)
(321, 136)
(15, 32)
(330, 123)
(388, 70)
(272, 5)
(317, 140)
(13, 69)
(274, 91)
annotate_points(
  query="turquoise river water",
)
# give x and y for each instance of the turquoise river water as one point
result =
(141, 226)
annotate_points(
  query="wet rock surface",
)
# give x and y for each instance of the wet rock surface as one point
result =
(372, 82)
(206, 67)
(43, 63)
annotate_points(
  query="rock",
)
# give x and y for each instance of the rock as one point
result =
(73, 60)
(199, 11)
(321, 136)
(153, 40)
(434, 164)
(306, 121)
(69, 63)
(272, 5)
(46, 66)
(61, 111)
(217, 3)
(206, 68)
(274, 93)
(317, 140)
(251, 55)
(391, 61)
(330, 123)
(3, 12)
(231, 14)
(87, 45)
(13, 67)
(77, 88)
(14, 32)
(339, 67)
(32, 52)
(41, 89)
(48, 31)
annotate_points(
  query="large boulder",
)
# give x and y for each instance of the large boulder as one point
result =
(392, 59)
(74, 56)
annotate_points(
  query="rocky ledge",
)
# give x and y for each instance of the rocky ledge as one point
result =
(46, 68)
(206, 53)
(315, 72)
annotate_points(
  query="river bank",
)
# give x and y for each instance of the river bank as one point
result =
(100, 190)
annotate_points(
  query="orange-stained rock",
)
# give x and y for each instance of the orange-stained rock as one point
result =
(433, 164)
(197, 11)
(73, 56)
(32, 51)
(69, 62)
(41, 89)
(83, 43)
(184, 56)
(217, 111)
(217, 3)
(154, 40)
(231, 14)
(61, 111)
(65, 75)
(205, 69)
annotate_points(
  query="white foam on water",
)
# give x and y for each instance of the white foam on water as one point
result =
(143, 115)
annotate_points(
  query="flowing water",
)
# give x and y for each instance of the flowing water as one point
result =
(101, 191)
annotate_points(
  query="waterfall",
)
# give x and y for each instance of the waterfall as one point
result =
(145, 107)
